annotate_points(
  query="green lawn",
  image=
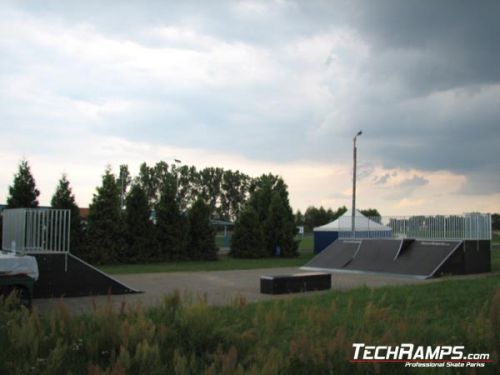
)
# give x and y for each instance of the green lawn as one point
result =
(223, 264)
(495, 259)
(496, 237)
(307, 243)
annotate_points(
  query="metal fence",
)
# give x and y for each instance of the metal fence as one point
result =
(440, 227)
(36, 230)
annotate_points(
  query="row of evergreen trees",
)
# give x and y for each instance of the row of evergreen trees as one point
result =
(113, 233)
(127, 234)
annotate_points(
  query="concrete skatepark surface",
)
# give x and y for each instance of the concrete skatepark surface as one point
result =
(216, 287)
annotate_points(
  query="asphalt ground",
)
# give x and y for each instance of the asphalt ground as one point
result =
(215, 287)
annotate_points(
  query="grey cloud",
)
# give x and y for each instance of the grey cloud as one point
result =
(381, 180)
(414, 182)
(406, 187)
(425, 94)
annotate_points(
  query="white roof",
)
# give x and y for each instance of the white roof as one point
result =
(344, 224)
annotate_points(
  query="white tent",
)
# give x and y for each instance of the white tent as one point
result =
(344, 224)
(342, 228)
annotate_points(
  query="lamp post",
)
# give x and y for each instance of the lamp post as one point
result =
(354, 155)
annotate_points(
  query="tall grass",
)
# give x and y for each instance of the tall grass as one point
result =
(295, 336)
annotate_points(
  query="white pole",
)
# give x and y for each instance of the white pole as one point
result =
(354, 156)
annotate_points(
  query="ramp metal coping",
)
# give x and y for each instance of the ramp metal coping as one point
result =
(359, 242)
(399, 250)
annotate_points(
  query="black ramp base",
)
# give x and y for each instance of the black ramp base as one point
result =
(302, 282)
(407, 257)
(79, 278)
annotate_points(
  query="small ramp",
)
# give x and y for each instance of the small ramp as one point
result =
(403, 257)
(375, 255)
(70, 276)
(424, 258)
(335, 256)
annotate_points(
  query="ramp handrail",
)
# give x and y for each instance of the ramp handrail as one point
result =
(474, 226)
(36, 230)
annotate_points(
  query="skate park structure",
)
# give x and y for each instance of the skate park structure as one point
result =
(416, 246)
(45, 235)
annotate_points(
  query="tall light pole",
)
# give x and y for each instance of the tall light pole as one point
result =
(354, 155)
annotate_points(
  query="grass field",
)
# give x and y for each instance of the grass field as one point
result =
(312, 335)
(495, 238)
(495, 259)
(306, 242)
(224, 263)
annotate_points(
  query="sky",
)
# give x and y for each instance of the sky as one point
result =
(263, 87)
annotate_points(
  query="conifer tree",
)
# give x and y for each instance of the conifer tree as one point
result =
(63, 198)
(201, 245)
(279, 228)
(23, 192)
(247, 240)
(140, 234)
(171, 226)
(105, 223)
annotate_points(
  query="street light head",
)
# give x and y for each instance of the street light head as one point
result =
(177, 160)
(359, 133)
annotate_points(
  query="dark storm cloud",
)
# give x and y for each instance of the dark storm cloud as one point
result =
(423, 80)
(456, 41)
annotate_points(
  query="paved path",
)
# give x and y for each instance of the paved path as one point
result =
(217, 287)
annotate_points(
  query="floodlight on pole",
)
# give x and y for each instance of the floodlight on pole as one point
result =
(354, 154)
